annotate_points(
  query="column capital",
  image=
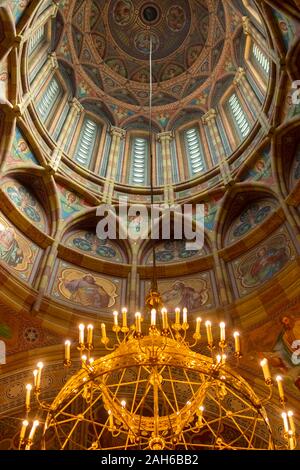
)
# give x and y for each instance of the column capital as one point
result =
(165, 136)
(240, 75)
(209, 117)
(53, 60)
(118, 132)
(76, 105)
(54, 10)
(246, 25)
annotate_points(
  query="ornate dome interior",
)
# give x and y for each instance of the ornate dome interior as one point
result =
(74, 126)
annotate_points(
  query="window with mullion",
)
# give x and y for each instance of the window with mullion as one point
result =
(239, 116)
(139, 174)
(86, 142)
(49, 98)
(194, 151)
(260, 59)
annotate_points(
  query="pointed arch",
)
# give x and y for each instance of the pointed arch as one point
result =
(237, 199)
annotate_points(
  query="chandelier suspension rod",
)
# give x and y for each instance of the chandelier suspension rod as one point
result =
(154, 276)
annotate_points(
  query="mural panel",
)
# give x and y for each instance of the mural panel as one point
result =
(27, 203)
(88, 290)
(172, 251)
(295, 171)
(71, 202)
(88, 242)
(288, 28)
(195, 293)
(17, 8)
(261, 170)
(291, 108)
(263, 262)
(21, 151)
(275, 341)
(254, 215)
(17, 252)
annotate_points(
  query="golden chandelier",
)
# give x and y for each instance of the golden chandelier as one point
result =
(152, 391)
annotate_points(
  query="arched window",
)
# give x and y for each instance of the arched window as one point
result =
(194, 151)
(239, 116)
(174, 162)
(139, 161)
(36, 39)
(86, 142)
(49, 98)
(261, 59)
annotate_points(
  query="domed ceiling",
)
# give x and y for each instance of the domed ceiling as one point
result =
(107, 44)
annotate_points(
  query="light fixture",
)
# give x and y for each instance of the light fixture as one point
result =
(152, 391)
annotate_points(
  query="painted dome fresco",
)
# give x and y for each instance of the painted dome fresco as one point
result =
(109, 42)
(209, 79)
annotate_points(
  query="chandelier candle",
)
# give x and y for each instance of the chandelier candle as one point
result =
(285, 422)
(115, 314)
(90, 330)
(35, 373)
(124, 317)
(23, 430)
(237, 342)
(266, 371)
(210, 339)
(138, 325)
(67, 350)
(28, 395)
(280, 388)
(177, 316)
(153, 317)
(291, 421)
(81, 334)
(40, 366)
(198, 325)
(222, 332)
(184, 316)
(33, 429)
(164, 314)
(111, 420)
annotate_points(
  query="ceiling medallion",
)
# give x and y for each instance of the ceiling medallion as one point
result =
(150, 14)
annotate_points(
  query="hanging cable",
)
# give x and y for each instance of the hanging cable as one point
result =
(154, 277)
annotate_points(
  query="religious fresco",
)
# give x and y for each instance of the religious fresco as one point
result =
(16, 251)
(27, 203)
(176, 18)
(289, 29)
(71, 202)
(123, 12)
(295, 170)
(87, 242)
(275, 341)
(263, 262)
(21, 151)
(252, 216)
(194, 293)
(211, 208)
(172, 251)
(261, 170)
(291, 109)
(86, 289)
(3, 82)
(17, 8)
